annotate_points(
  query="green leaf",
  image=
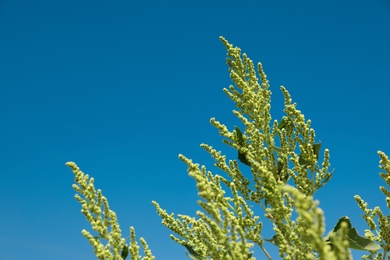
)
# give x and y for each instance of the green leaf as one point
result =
(355, 240)
(281, 177)
(280, 167)
(191, 250)
(240, 137)
(282, 123)
(302, 161)
(243, 159)
(272, 240)
(325, 179)
(285, 120)
(316, 150)
(241, 142)
(125, 252)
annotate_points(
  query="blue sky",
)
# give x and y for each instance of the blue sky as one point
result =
(122, 87)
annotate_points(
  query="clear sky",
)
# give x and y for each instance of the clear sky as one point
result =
(122, 87)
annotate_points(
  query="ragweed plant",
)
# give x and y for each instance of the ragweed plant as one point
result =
(277, 171)
(278, 152)
(104, 222)
(377, 221)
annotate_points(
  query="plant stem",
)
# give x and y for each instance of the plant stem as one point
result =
(265, 252)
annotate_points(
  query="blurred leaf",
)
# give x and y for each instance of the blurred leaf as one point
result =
(243, 159)
(240, 137)
(316, 150)
(283, 123)
(283, 178)
(191, 251)
(302, 161)
(241, 142)
(276, 149)
(125, 252)
(273, 240)
(326, 179)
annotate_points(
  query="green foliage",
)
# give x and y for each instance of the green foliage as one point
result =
(354, 239)
(277, 173)
(376, 220)
(226, 215)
